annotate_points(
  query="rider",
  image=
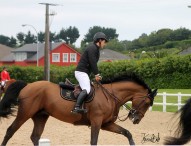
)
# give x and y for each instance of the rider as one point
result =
(86, 65)
(4, 76)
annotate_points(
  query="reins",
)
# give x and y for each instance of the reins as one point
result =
(131, 110)
(116, 99)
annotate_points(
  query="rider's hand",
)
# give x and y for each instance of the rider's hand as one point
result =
(98, 77)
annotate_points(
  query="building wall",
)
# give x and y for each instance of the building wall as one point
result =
(61, 49)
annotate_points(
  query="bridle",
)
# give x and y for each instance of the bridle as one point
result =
(132, 111)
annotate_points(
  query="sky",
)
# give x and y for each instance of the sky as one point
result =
(130, 18)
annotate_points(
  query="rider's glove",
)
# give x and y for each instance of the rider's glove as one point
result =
(98, 77)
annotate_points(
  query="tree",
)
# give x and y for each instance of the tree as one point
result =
(69, 35)
(41, 36)
(4, 40)
(62, 35)
(13, 42)
(72, 34)
(109, 32)
(21, 38)
(180, 34)
(114, 44)
(30, 38)
(52, 36)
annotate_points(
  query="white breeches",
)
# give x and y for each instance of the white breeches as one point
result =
(3, 83)
(84, 80)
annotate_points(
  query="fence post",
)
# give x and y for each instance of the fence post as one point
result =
(179, 100)
(44, 142)
(164, 101)
(150, 108)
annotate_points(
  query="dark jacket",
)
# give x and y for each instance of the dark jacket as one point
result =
(89, 59)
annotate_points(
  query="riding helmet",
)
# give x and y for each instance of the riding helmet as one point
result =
(100, 35)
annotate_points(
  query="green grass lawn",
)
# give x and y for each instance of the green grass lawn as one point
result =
(170, 99)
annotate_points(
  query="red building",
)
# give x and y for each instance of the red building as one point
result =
(61, 54)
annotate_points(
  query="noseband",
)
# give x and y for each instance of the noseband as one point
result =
(133, 111)
(136, 110)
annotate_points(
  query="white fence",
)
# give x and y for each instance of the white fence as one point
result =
(164, 103)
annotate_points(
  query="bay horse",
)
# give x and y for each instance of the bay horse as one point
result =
(182, 134)
(7, 83)
(41, 99)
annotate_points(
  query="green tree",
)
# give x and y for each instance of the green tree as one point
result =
(62, 35)
(13, 42)
(114, 44)
(180, 34)
(109, 32)
(29, 38)
(4, 40)
(21, 37)
(69, 35)
(72, 34)
(52, 37)
(41, 36)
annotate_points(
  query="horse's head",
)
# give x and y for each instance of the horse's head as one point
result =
(140, 105)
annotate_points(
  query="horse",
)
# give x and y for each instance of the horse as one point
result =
(4, 88)
(182, 134)
(45, 100)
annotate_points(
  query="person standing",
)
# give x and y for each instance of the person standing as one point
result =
(87, 65)
(4, 76)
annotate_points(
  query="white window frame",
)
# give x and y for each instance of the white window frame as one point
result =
(57, 55)
(20, 56)
(65, 59)
(73, 58)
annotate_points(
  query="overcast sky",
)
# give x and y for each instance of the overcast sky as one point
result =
(130, 18)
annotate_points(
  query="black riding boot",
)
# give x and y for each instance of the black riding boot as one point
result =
(79, 102)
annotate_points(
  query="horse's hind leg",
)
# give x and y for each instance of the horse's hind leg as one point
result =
(39, 120)
(112, 127)
(17, 123)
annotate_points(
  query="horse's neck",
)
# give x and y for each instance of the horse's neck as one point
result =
(116, 92)
(124, 91)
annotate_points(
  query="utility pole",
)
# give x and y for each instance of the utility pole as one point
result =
(47, 41)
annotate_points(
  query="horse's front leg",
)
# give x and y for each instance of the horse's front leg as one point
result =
(95, 128)
(112, 127)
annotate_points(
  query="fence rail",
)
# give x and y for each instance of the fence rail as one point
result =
(165, 104)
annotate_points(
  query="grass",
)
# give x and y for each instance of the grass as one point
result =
(170, 99)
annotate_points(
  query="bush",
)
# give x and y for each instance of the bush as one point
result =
(169, 72)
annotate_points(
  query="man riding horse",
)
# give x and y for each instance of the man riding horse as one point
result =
(4, 77)
(86, 65)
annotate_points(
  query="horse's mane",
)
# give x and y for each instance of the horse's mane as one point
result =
(127, 77)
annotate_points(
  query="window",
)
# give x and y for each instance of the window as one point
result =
(65, 57)
(73, 57)
(55, 57)
(20, 56)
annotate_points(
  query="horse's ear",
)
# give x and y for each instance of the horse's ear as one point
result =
(154, 93)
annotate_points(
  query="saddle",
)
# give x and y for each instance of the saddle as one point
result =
(71, 91)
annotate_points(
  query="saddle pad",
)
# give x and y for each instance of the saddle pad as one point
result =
(68, 94)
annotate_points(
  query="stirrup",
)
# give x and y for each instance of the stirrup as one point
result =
(79, 110)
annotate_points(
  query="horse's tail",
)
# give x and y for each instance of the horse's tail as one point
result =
(184, 126)
(10, 100)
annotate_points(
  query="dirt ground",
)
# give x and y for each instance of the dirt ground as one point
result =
(154, 124)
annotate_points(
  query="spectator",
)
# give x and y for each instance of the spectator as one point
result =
(4, 76)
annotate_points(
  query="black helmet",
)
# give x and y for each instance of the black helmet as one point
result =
(100, 35)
